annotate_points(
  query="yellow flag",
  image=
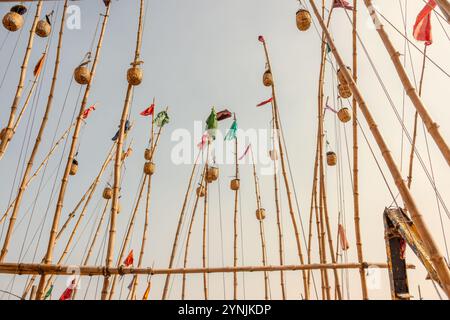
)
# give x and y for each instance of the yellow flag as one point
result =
(146, 293)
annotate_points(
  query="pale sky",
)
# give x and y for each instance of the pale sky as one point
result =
(199, 54)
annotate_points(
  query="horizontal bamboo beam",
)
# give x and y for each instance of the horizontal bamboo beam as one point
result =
(31, 268)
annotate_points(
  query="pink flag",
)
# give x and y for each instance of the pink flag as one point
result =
(342, 4)
(202, 143)
(265, 102)
(422, 27)
(261, 39)
(245, 152)
(327, 107)
(88, 111)
(67, 294)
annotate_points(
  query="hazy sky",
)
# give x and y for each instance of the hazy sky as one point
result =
(199, 54)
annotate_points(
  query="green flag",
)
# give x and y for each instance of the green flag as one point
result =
(211, 123)
(232, 132)
(161, 119)
(328, 48)
(49, 293)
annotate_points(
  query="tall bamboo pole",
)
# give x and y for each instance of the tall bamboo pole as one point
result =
(191, 223)
(65, 178)
(429, 243)
(117, 166)
(128, 234)
(46, 158)
(9, 132)
(235, 219)
(285, 178)
(356, 217)
(180, 223)
(416, 120)
(29, 166)
(205, 225)
(432, 127)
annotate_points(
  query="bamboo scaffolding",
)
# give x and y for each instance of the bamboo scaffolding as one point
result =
(356, 215)
(118, 160)
(432, 127)
(29, 166)
(65, 178)
(30, 268)
(285, 178)
(261, 229)
(235, 219)
(180, 223)
(47, 157)
(429, 243)
(9, 132)
(188, 238)
(128, 235)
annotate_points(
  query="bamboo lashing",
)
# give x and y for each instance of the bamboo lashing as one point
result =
(429, 242)
(29, 166)
(432, 127)
(118, 160)
(356, 217)
(20, 86)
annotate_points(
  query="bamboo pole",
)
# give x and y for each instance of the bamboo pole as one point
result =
(416, 120)
(33, 268)
(188, 238)
(128, 235)
(445, 8)
(65, 178)
(428, 240)
(47, 157)
(261, 229)
(285, 178)
(356, 217)
(118, 160)
(432, 127)
(205, 221)
(29, 166)
(180, 222)
(235, 219)
(9, 132)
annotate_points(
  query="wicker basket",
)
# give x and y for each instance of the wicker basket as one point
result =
(267, 78)
(260, 214)
(235, 184)
(149, 168)
(82, 75)
(344, 115)
(43, 29)
(12, 21)
(344, 91)
(303, 19)
(331, 158)
(107, 193)
(134, 76)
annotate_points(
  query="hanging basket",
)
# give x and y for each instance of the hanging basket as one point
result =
(341, 76)
(73, 168)
(148, 154)
(134, 76)
(82, 75)
(201, 191)
(235, 184)
(260, 214)
(344, 91)
(212, 174)
(149, 168)
(344, 115)
(107, 193)
(331, 158)
(303, 19)
(267, 78)
(43, 29)
(12, 21)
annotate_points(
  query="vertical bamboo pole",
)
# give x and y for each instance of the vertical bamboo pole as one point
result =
(429, 243)
(29, 166)
(205, 221)
(235, 219)
(359, 248)
(23, 71)
(191, 223)
(65, 178)
(285, 178)
(118, 160)
(432, 127)
(180, 223)
(46, 158)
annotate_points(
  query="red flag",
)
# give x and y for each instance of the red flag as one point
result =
(222, 115)
(245, 152)
(342, 4)
(67, 294)
(261, 39)
(343, 238)
(129, 259)
(39, 65)
(149, 111)
(88, 111)
(264, 102)
(204, 140)
(422, 27)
